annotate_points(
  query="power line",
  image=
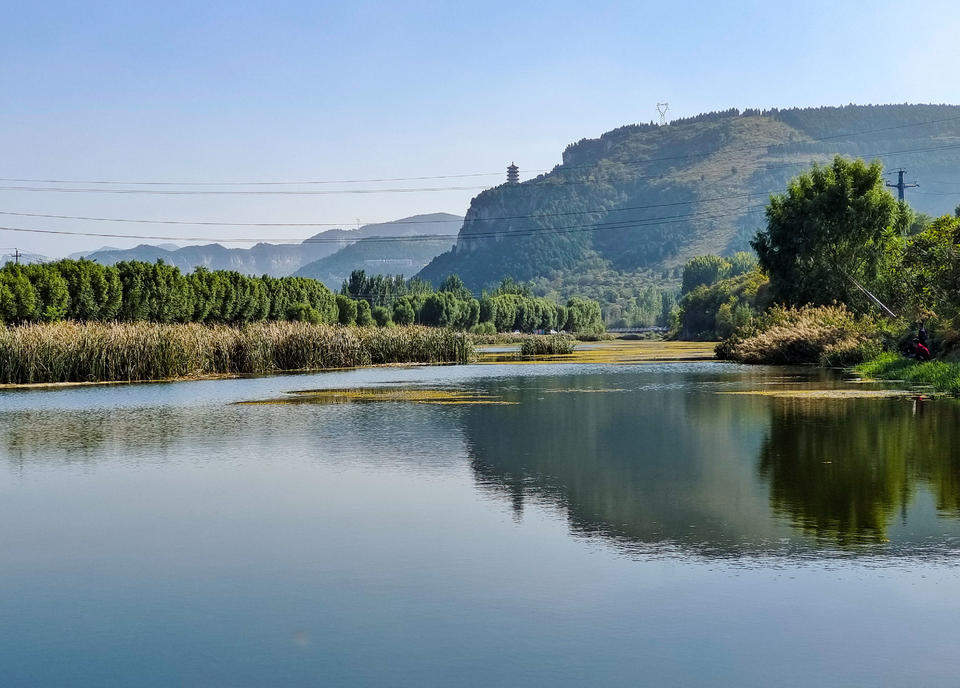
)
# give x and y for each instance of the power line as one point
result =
(397, 222)
(465, 221)
(527, 184)
(480, 235)
(462, 175)
(221, 192)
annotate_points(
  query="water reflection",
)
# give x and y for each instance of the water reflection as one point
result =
(843, 471)
(725, 475)
(650, 458)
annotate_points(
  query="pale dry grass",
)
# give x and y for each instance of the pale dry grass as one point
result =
(93, 352)
(825, 335)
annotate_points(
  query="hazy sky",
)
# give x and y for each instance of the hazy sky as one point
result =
(238, 91)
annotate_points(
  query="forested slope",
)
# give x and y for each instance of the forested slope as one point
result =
(630, 207)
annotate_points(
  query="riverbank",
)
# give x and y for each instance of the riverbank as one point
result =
(68, 352)
(940, 375)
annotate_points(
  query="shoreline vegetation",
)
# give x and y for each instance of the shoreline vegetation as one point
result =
(549, 345)
(941, 376)
(75, 321)
(845, 276)
(66, 352)
(828, 336)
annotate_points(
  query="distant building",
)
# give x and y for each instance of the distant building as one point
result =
(513, 174)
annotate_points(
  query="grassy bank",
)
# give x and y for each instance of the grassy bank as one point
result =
(942, 376)
(96, 352)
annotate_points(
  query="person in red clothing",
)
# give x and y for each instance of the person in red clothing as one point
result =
(920, 350)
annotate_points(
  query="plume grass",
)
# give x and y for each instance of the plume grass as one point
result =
(99, 352)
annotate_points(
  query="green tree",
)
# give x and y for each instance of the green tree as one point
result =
(347, 310)
(18, 298)
(704, 270)
(364, 316)
(583, 315)
(441, 309)
(403, 312)
(742, 262)
(382, 316)
(303, 312)
(454, 285)
(834, 224)
(53, 297)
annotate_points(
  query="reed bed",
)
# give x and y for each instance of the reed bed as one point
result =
(548, 345)
(100, 352)
(824, 335)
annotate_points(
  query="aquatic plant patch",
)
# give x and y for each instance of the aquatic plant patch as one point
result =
(368, 395)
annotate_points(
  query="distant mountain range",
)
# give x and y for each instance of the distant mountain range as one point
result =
(407, 258)
(279, 260)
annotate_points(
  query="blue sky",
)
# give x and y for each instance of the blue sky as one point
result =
(294, 90)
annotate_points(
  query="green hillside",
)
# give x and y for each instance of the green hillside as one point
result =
(630, 207)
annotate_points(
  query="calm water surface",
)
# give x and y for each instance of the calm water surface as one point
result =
(615, 526)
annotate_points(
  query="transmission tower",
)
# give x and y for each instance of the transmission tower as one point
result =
(900, 186)
(662, 109)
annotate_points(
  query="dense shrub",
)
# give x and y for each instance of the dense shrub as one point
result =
(824, 335)
(715, 311)
(549, 345)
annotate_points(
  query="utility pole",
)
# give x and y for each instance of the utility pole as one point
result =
(900, 186)
(16, 256)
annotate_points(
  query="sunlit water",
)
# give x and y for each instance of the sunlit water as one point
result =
(616, 526)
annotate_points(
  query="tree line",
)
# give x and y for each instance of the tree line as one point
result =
(510, 306)
(133, 291)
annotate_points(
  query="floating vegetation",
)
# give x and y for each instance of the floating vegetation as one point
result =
(825, 393)
(580, 390)
(368, 395)
(616, 352)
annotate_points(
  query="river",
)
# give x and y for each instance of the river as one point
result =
(482, 525)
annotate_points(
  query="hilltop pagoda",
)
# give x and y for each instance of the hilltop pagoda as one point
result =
(513, 174)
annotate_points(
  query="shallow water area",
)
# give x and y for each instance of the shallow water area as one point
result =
(610, 523)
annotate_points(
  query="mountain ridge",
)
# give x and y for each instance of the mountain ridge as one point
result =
(278, 260)
(639, 200)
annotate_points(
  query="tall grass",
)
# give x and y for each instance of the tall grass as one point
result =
(824, 335)
(97, 352)
(942, 376)
(547, 345)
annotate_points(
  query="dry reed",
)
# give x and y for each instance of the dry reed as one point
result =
(97, 352)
